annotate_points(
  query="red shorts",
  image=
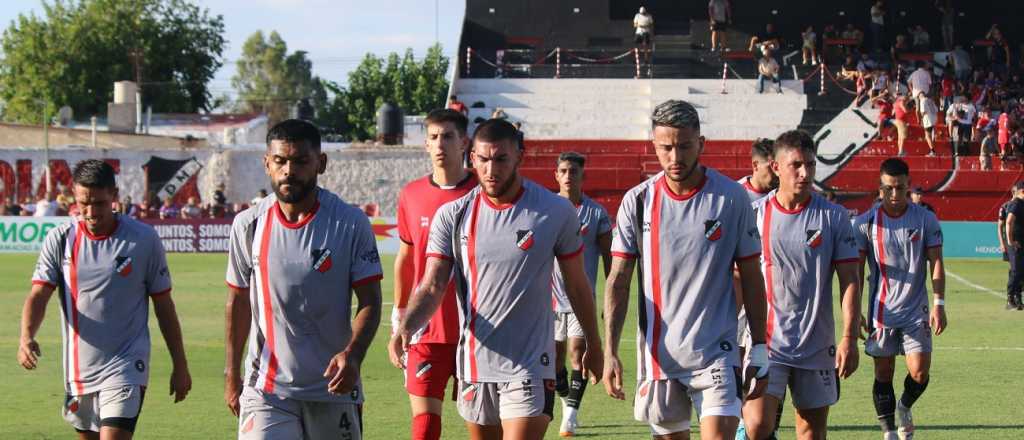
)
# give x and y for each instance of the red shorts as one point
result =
(428, 368)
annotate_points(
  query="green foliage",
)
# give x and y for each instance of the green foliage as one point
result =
(75, 51)
(270, 80)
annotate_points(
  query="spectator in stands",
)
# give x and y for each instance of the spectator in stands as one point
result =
(719, 17)
(866, 64)
(12, 207)
(848, 70)
(948, 19)
(827, 52)
(455, 104)
(899, 47)
(961, 113)
(191, 210)
(861, 81)
(643, 23)
(768, 68)
(28, 207)
(128, 207)
(65, 199)
(917, 196)
(920, 81)
(948, 89)
(961, 61)
(902, 109)
(920, 40)
(1017, 143)
(259, 197)
(877, 25)
(929, 119)
(982, 124)
(989, 146)
(880, 84)
(766, 42)
(809, 50)
(499, 113)
(852, 33)
(999, 53)
(46, 206)
(169, 210)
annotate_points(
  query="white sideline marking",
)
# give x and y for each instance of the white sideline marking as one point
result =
(966, 282)
(981, 348)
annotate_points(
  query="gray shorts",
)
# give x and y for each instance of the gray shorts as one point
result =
(267, 417)
(488, 403)
(811, 388)
(666, 404)
(118, 407)
(567, 326)
(889, 342)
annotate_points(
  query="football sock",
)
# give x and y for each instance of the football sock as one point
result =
(577, 386)
(912, 391)
(426, 426)
(562, 382)
(885, 405)
(778, 418)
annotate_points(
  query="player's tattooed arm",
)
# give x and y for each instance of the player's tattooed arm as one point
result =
(426, 298)
(938, 276)
(616, 304)
(31, 318)
(846, 352)
(237, 319)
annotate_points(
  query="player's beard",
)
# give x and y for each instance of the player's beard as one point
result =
(299, 190)
(504, 188)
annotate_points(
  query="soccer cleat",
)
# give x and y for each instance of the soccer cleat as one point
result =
(741, 431)
(890, 435)
(905, 422)
(569, 423)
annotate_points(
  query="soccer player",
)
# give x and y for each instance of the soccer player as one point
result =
(294, 260)
(596, 232)
(685, 227)
(895, 238)
(107, 268)
(431, 356)
(804, 240)
(501, 241)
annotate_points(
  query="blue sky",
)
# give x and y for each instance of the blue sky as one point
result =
(335, 33)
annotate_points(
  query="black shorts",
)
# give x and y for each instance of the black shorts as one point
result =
(719, 25)
(643, 39)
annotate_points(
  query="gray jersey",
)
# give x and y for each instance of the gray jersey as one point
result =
(752, 192)
(687, 245)
(896, 251)
(104, 285)
(799, 253)
(503, 259)
(594, 222)
(300, 278)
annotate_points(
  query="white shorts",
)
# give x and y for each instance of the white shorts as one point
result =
(269, 417)
(118, 407)
(889, 342)
(488, 403)
(567, 326)
(811, 388)
(666, 404)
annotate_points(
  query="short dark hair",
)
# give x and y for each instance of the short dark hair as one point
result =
(444, 116)
(794, 140)
(572, 157)
(497, 129)
(94, 173)
(295, 131)
(762, 148)
(895, 167)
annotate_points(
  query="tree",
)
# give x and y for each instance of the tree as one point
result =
(74, 53)
(416, 87)
(270, 80)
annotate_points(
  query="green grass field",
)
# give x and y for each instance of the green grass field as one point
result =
(974, 391)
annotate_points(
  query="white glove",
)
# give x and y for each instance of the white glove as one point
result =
(397, 314)
(758, 355)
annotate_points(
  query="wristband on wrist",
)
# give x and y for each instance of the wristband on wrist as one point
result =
(940, 302)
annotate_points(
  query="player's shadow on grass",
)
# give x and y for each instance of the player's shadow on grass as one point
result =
(928, 427)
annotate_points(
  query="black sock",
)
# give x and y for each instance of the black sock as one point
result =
(577, 385)
(562, 382)
(885, 405)
(912, 391)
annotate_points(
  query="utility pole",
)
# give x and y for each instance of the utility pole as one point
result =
(135, 54)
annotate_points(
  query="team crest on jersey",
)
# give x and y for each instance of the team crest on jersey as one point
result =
(915, 234)
(123, 266)
(424, 221)
(524, 239)
(814, 238)
(712, 230)
(322, 260)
